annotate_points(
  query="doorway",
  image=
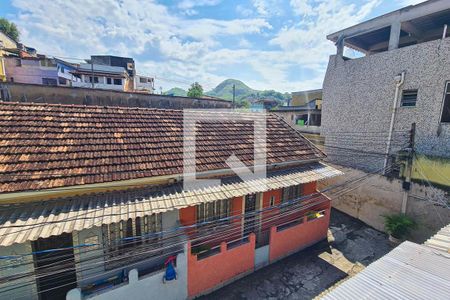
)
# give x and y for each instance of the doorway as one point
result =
(250, 218)
(56, 273)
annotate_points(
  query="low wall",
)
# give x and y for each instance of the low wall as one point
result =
(149, 287)
(21, 92)
(284, 242)
(377, 196)
(214, 271)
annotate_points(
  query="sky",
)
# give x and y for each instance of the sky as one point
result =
(268, 44)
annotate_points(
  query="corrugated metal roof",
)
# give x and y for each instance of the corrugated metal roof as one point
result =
(441, 240)
(25, 222)
(410, 271)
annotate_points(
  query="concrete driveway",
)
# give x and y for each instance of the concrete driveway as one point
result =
(351, 246)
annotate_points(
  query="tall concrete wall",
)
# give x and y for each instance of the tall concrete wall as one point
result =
(83, 96)
(358, 96)
(379, 196)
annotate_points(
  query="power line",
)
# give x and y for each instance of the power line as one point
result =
(121, 267)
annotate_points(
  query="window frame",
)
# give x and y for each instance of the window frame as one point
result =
(213, 210)
(272, 201)
(119, 251)
(408, 102)
(446, 92)
(291, 192)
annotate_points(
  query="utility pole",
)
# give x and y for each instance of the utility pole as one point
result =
(408, 168)
(234, 95)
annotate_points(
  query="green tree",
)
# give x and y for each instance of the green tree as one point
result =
(9, 28)
(195, 91)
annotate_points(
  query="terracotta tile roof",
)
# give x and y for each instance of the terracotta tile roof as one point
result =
(51, 145)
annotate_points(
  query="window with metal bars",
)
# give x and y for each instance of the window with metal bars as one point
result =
(213, 210)
(409, 98)
(125, 241)
(291, 193)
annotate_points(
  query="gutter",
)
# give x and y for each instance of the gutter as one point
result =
(76, 190)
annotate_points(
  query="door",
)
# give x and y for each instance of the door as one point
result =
(55, 274)
(250, 218)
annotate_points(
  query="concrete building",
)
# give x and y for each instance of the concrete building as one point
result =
(102, 77)
(403, 78)
(93, 204)
(33, 70)
(144, 83)
(6, 43)
(304, 111)
(370, 104)
(134, 81)
(38, 69)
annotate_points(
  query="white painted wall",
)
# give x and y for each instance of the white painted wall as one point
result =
(89, 261)
(148, 287)
(29, 288)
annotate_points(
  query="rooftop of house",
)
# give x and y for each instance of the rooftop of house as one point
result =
(314, 93)
(87, 68)
(47, 146)
(415, 24)
(410, 271)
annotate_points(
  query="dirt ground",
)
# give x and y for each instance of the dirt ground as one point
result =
(351, 246)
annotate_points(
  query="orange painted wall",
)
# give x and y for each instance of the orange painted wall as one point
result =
(205, 274)
(269, 214)
(309, 188)
(188, 215)
(300, 236)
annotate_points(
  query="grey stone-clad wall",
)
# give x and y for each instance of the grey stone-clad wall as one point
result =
(358, 96)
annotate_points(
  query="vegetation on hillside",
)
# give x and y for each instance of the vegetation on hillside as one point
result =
(243, 93)
(9, 28)
(176, 91)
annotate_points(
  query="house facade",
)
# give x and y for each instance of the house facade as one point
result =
(134, 81)
(101, 77)
(38, 69)
(93, 204)
(6, 43)
(402, 78)
(304, 111)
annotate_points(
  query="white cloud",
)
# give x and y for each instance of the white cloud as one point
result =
(244, 43)
(243, 11)
(410, 2)
(188, 4)
(302, 7)
(268, 7)
(184, 49)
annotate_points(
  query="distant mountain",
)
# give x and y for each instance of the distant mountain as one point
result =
(243, 92)
(176, 91)
(225, 90)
